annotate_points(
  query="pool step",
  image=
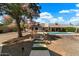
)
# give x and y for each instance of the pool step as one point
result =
(39, 53)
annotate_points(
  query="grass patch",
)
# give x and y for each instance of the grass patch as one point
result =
(38, 42)
(39, 48)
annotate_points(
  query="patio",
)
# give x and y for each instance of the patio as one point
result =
(66, 46)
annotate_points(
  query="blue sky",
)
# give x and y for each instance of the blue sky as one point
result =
(54, 8)
(62, 13)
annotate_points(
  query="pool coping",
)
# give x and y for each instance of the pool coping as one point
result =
(69, 33)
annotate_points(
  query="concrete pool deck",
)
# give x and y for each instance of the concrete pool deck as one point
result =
(65, 47)
(69, 33)
(8, 36)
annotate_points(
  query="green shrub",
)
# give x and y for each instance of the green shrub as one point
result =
(14, 29)
(70, 29)
(39, 48)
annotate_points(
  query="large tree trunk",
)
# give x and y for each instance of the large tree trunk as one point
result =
(31, 21)
(18, 27)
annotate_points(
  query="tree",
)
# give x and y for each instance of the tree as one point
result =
(33, 10)
(7, 20)
(16, 10)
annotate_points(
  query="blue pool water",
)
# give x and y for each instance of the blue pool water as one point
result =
(51, 33)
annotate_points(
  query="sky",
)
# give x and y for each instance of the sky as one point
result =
(62, 13)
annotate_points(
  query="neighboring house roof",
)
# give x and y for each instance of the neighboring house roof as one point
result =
(58, 25)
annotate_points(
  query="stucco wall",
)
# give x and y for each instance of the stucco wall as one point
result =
(18, 49)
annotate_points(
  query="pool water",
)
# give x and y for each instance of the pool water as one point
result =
(51, 33)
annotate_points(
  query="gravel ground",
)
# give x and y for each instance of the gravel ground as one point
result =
(8, 36)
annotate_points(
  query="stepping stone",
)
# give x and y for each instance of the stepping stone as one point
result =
(39, 45)
(39, 53)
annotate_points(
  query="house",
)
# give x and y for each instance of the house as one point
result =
(37, 26)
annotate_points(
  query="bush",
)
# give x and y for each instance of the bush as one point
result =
(14, 29)
(70, 29)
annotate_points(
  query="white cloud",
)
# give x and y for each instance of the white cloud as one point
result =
(46, 17)
(74, 20)
(77, 14)
(60, 20)
(74, 10)
(70, 10)
(64, 11)
(77, 5)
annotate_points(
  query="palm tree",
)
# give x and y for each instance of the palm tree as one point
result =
(17, 10)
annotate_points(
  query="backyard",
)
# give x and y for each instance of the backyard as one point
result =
(26, 30)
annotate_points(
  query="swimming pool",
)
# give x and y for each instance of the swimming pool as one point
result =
(59, 33)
